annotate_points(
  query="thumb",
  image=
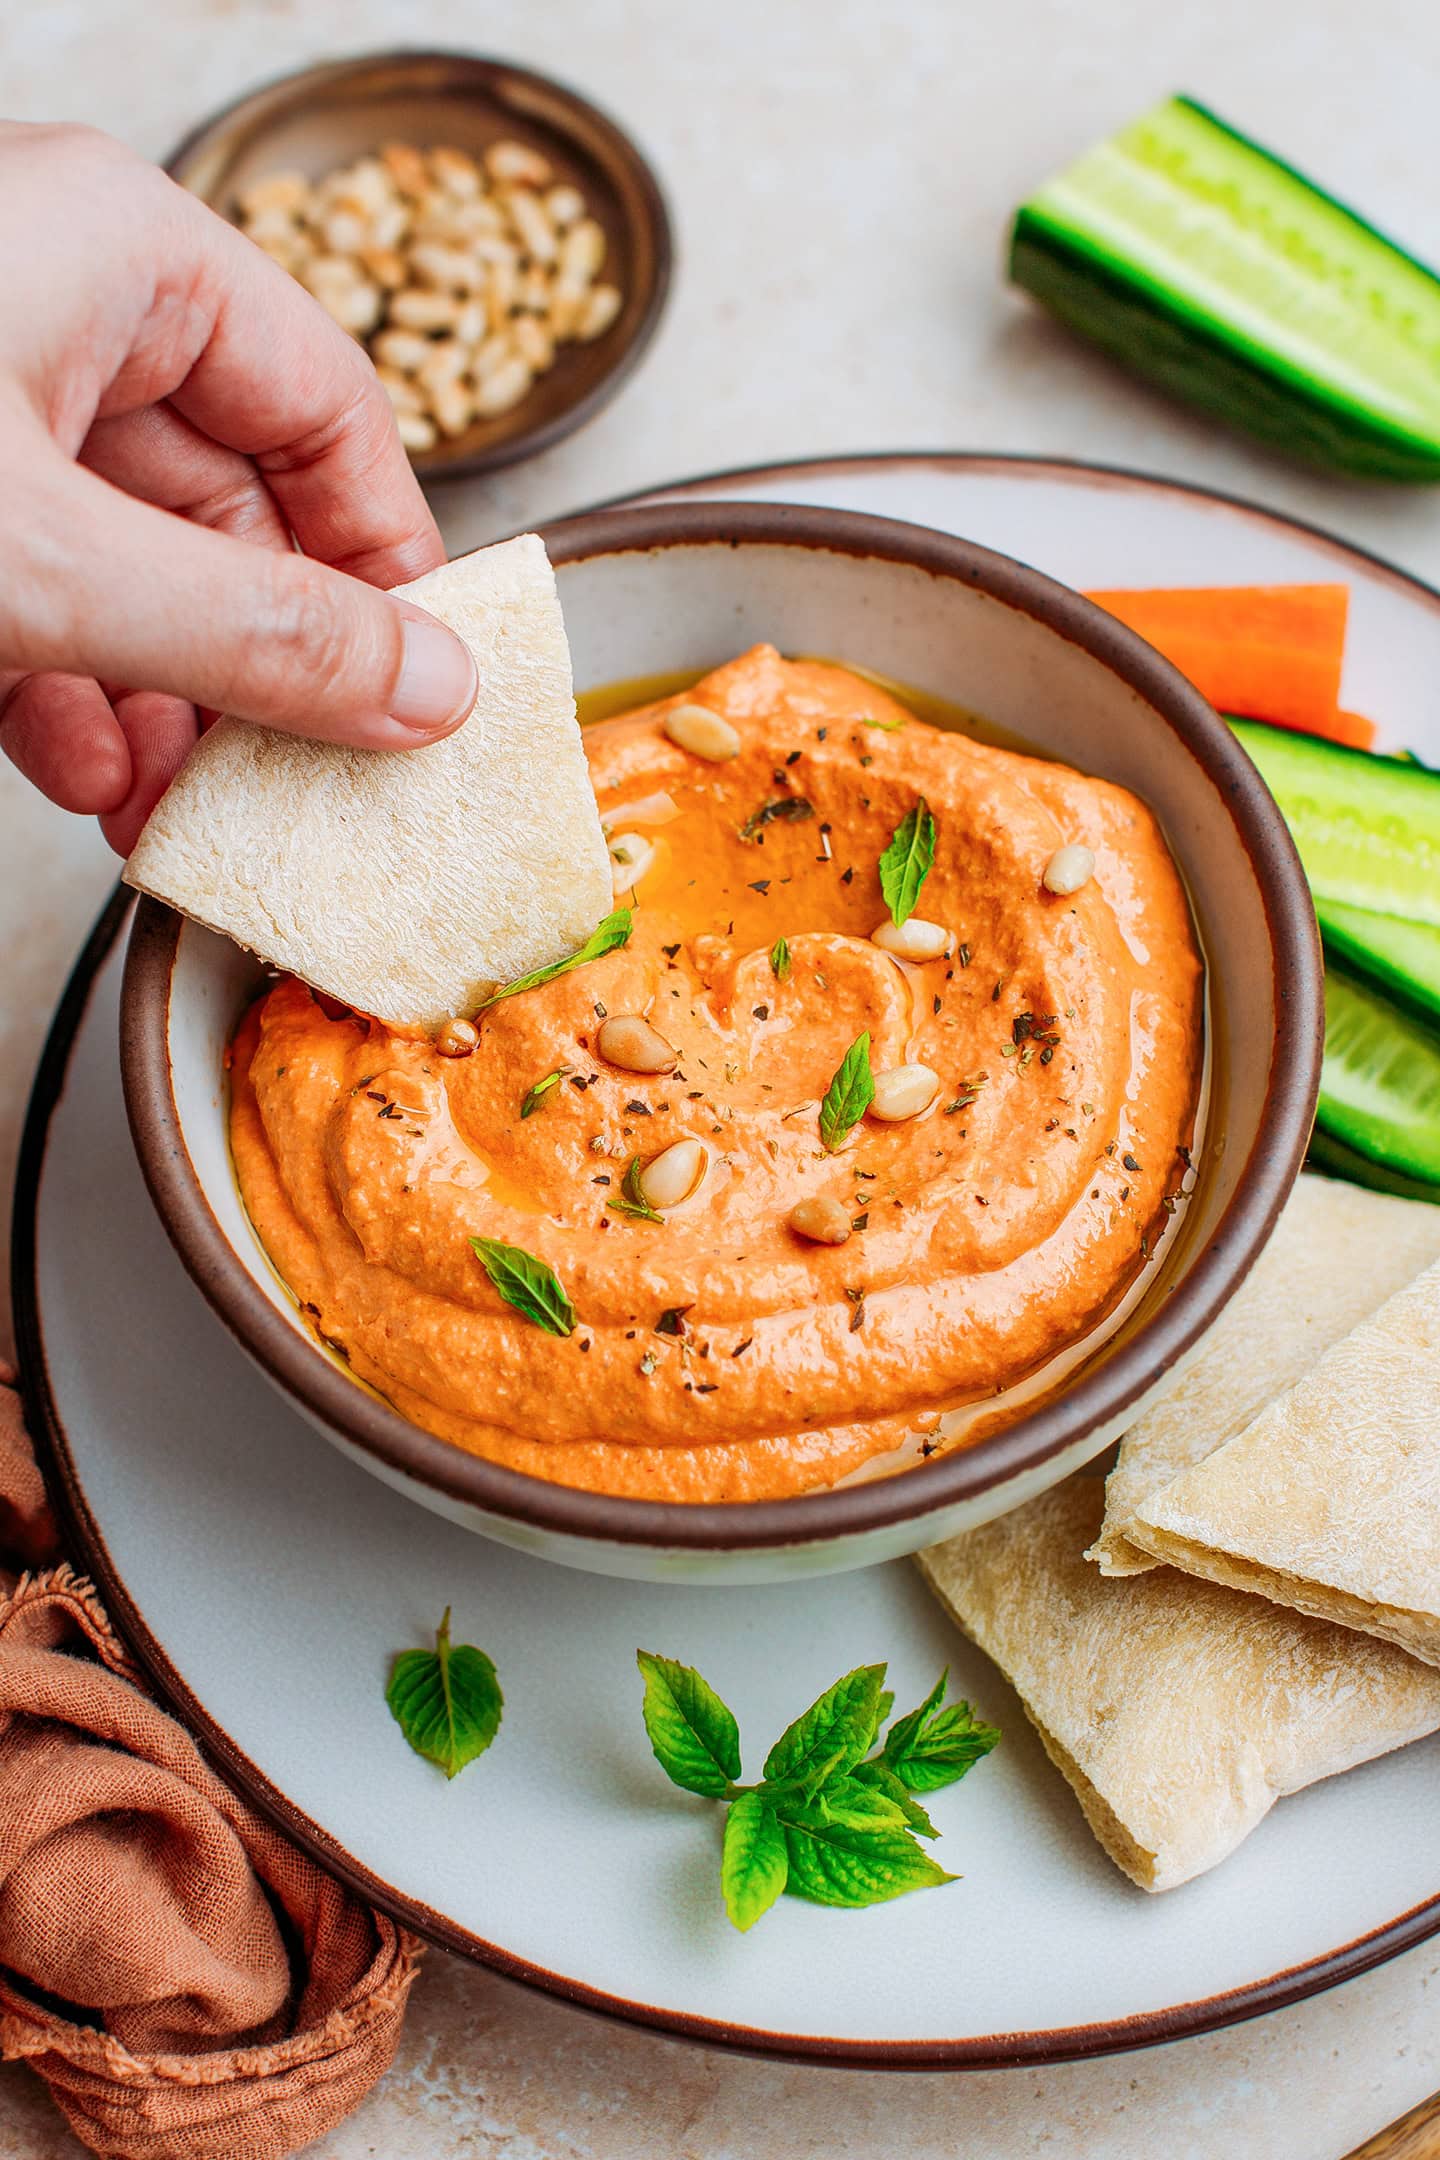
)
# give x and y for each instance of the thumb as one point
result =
(130, 593)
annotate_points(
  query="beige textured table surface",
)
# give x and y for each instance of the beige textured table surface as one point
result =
(840, 175)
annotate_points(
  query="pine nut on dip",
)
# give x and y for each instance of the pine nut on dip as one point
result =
(727, 1211)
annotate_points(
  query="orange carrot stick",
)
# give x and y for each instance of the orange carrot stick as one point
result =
(1268, 652)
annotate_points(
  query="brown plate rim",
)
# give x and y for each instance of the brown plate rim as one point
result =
(1100, 1396)
(85, 1539)
(435, 467)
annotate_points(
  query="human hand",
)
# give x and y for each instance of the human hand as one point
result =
(175, 414)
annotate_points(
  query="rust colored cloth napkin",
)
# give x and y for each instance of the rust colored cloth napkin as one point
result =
(189, 1984)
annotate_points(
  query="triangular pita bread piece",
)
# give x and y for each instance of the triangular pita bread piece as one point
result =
(1330, 1500)
(406, 883)
(1178, 1711)
(1336, 1255)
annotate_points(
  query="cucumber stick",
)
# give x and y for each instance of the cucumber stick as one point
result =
(1336, 1160)
(1200, 261)
(1380, 1082)
(1403, 958)
(1368, 828)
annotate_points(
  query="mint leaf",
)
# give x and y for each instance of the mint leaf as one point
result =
(530, 1285)
(832, 1864)
(605, 937)
(446, 1701)
(905, 864)
(780, 959)
(630, 1200)
(890, 726)
(849, 1095)
(932, 1747)
(883, 1778)
(859, 1803)
(535, 1095)
(831, 1735)
(753, 1861)
(695, 1738)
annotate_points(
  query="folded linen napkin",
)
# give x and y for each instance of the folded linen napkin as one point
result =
(188, 1983)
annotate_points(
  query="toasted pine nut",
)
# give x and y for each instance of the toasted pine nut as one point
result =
(823, 1221)
(515, 164)
(503, 388)
(1069, 868)
(673, 1174)
(389, 226)
(631, 1043)
(457, 1038)
(456, 173)
(582, 251)
(903, 1092)
(533, 292)
(565, 205)
(656, 809)
(418, 309)
(344, 232)
(453, 406)
(597, 312)
(415, 431)
(630, 858)
(912, 940)
(355, 307)
(406, 168)
(402, 349)
(446, 360)
(703, 733)
(385, 266)
(451, 269)
(532, 225)
(472, 322)
(533, 342)
(288, 191)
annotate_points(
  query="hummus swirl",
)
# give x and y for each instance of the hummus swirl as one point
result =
(987, 1236)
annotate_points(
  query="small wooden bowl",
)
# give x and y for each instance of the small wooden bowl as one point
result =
(324, 116)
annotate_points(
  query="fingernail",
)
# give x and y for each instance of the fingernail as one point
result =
(437, 683)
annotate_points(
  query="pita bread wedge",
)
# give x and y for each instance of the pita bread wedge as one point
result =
(408, 883)
(1178, 1711)
(1330, 1501)
(1337, 1253)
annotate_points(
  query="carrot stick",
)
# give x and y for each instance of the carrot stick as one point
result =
(1269, 652)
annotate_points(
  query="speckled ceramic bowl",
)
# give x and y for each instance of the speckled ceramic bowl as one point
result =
(653, 591)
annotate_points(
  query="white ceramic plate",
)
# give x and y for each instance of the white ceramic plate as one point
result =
(267, 1582)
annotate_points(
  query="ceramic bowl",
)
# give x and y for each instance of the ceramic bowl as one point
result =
(652, 591)
(324, 116)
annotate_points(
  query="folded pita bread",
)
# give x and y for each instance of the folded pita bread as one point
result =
(1330, 1501)
(407, 883)
(1337, 1254)
(1178, 1711)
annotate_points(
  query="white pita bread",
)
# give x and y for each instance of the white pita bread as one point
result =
(406, 883)
(1336, 1255)
(1330, 1501)
(1179, 1711)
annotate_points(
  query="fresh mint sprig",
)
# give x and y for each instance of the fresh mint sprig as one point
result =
(531, 1286)
(849, 1095)
(831, 1819)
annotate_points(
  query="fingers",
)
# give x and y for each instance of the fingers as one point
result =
(281, 382)
(114, 587)
(160, 733)
(157, 455)
(61, 732)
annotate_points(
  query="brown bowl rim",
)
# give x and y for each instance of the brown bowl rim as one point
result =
(437, 465)
(302, 1371)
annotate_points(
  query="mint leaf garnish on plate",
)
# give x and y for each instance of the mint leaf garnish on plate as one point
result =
(446, 1701)
(695, 1738)
(780, 959)
(605, 937)
(829, 1820)
(905, 864)
(630, 1200)
(535, 1095)
(849, 1095)
(530, 1285)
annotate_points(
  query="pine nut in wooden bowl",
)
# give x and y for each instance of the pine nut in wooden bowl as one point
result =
(498, 245)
